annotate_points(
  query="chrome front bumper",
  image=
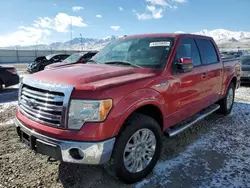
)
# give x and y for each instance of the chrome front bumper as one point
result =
(91, 152)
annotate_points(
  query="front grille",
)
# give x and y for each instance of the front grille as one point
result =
(41, 105)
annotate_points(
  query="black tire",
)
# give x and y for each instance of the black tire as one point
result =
(224, 109)
(132, 125)
(41, 67)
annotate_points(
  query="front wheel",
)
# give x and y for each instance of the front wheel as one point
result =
(226, 104)
(137, 148)
(41, 67)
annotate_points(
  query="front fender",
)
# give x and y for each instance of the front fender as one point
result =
(135, 100)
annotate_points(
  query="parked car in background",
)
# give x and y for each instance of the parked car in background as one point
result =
(81, 57)
(245, 74)
(121, 102)
(238, 54)
(230, 55)
(41, 62)
(8, 76)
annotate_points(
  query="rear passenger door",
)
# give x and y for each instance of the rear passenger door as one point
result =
(214, 70)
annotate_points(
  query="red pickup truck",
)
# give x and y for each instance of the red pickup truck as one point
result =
(119, 104)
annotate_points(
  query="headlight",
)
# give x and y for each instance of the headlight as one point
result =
(82, 111)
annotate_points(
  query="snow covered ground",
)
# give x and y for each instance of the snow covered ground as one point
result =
(213, 153)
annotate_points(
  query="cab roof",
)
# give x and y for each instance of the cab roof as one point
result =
(170, 35)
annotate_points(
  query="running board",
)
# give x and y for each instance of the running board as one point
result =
(198, 117)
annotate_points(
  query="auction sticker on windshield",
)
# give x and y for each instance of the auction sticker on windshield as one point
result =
(160, 43)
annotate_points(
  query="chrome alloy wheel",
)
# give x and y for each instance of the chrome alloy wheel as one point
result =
(230, 98)
(139, 150)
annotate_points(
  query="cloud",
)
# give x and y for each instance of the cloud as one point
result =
(115, 27)
(155, 13)
(156, 8)
(180, 1)
(40, 30)
(25, 36)
(60, 23)
(120, 8)
(98, 16)
(158, 2)
(77, 8)
(54, 5)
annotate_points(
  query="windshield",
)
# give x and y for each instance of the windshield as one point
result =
(149, 52)
(73, 58)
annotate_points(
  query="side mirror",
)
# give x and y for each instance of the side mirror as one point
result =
(185, 64)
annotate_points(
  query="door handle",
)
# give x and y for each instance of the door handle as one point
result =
(204, 75)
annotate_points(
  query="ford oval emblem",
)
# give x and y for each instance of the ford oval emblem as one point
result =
(32, 103)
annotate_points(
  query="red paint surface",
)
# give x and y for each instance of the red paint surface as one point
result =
(131, 88)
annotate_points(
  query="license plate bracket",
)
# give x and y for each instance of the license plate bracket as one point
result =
(28, 140)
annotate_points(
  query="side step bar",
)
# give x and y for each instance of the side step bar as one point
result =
(198, 117)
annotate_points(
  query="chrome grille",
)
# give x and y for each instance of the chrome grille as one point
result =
(41, 105)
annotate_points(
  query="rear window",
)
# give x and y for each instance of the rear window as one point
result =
(207, 51)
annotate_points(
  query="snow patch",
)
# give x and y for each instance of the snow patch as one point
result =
(10, 122)
(6, 106)
(224, 138)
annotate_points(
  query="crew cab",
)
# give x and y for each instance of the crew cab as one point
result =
(119, 104)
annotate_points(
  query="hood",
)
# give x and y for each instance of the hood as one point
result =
(92, 76)
(7, 67)
(61, 64)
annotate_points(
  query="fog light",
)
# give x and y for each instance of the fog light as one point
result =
(76, 154)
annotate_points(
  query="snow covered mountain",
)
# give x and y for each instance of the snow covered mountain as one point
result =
(222, 34)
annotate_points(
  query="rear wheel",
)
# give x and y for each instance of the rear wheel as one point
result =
(226, 104)
(137, 148)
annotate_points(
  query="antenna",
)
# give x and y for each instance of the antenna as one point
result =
(71, 33)
(81, 42)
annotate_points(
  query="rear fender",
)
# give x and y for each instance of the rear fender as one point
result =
(231, 75)
(135, 100)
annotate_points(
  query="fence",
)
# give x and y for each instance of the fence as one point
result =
(25, 56)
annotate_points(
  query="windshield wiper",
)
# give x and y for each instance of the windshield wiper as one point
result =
(122, 63)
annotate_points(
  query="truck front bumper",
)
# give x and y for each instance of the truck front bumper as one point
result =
(65, 150)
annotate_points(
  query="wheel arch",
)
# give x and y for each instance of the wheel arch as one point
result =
(150, 108)
(234, 81)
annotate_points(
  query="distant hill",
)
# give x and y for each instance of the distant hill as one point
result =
(224, 38)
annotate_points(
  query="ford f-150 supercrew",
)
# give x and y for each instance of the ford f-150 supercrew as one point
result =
(119, 104)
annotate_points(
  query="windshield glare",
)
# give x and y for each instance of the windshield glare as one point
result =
(149, 52)
(73, 58)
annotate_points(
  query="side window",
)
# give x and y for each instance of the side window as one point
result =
(188, 48)
(55, 58)
(62, 57)
(66, 56)
(207, 50)
(88, 56)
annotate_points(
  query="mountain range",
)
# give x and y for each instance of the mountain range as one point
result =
(226, 38)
